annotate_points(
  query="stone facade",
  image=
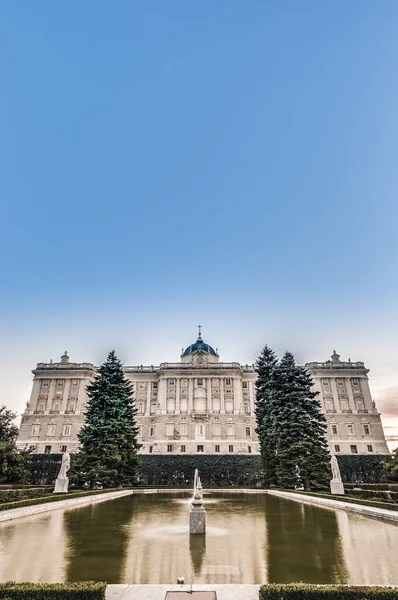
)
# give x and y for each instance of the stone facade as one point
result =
(198, 405)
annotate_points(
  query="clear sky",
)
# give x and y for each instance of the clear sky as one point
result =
(217, 161)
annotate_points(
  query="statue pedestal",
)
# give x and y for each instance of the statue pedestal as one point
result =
(61, 485)
(336, 487)
(197, 521)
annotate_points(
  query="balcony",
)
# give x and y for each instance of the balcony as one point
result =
(362, 410)
(349, 411)
(331, 411)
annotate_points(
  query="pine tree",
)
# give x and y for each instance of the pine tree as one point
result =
(264, 411)
(302, 449)
(109, 446)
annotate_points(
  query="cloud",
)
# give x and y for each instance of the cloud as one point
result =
(387, 402)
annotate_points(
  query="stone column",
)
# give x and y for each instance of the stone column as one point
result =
(162, 395)
(34, 396)
(209, 405)
(252, 396)
(65, 396)
(148, 399)
(82, 395)
(350, 395)
(222, 400)
(177, 404)
(333, 389)
(190, 394)
(237, 394)
(50, 396)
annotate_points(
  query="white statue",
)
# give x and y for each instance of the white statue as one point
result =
(65, 465)
(62, 482)
(335, 469)
(336, 484)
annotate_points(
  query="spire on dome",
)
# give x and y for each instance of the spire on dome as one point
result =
(200, 332)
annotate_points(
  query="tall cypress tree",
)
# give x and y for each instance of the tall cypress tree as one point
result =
(109, 445)
(265, 414)
(300, 428)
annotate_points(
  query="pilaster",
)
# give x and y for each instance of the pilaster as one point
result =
(177, 404)
(222, 399)
(65, 396)
(190, 394)
(34, 396)
(148, 399)
(237, 395)
(209, 406)
(50, 397)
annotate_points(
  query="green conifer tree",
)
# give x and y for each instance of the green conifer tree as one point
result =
(265, 414)
(300, 428)
(109, 445)
(13, 463)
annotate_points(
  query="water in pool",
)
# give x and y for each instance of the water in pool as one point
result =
(251, 538)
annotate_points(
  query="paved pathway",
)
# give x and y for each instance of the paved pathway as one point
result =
(158, 592)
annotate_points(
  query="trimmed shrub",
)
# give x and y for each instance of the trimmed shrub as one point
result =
(86, 590)
(326, 592)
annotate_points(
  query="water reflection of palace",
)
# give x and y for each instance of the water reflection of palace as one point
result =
(34, 548)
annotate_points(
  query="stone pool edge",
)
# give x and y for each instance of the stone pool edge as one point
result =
(35, 509)
(368, 511)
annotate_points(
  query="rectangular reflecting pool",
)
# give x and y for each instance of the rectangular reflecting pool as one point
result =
(251, 538)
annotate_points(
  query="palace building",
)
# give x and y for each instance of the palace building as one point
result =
(198, 405)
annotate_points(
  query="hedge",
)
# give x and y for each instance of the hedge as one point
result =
(377, 495)
(21, 494)
(86, 590)
(54, 498)
(43, 468)
(216, 470)
(374, 504)
(363, 468)
(326, 592)
(393, 487)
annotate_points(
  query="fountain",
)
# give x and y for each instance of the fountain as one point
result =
(197, 514)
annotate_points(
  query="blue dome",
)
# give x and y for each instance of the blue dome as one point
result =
(199, 345)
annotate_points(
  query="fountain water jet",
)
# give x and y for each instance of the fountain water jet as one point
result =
(197, 514)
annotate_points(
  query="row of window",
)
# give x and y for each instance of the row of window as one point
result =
(199, 448)
(199, 382)
(183, 430)
(56, 406)
(66, 430)
(350, 429)
(47, 449)
(340, 382)
(353, 448)
(344, 405)
(60, 382)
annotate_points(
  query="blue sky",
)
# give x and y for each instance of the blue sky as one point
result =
(165, 163)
